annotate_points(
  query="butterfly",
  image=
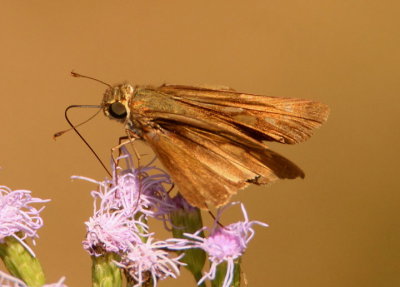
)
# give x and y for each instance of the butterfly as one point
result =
(212, 141)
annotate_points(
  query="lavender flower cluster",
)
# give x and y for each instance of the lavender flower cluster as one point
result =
(119, 229)
(122, 208)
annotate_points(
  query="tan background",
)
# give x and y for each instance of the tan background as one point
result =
(338, 227)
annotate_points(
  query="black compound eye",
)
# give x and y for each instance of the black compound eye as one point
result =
(117, 110)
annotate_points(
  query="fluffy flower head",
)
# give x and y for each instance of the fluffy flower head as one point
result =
(224, 244)
(17, 215)
(149, 259)
(110, 232)
(122, 205)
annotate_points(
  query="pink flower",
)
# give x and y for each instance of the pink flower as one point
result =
(110, 232)
(18, 216)
(224, 244)
(122, 205)
(150, 258)
(133, 191)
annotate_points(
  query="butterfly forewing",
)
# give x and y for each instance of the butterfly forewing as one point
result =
(286, 120)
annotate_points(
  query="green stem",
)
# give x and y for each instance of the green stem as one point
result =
(105, 273)
(189, 221)
(20, 263)
(221, 273)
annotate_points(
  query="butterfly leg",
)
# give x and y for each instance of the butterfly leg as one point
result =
(132, 137)
(129, 139)
(122, 141)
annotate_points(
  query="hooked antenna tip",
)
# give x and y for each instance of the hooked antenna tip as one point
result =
(58, 134)
(76, 75)
(73, 74)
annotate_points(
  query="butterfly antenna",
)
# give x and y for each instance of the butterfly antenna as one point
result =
(56, 135)
(78, 133)
(76, 75)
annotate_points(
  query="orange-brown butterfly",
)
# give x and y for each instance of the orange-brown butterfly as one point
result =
(212, 141)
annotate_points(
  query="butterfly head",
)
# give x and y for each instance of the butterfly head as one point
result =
(116, 101)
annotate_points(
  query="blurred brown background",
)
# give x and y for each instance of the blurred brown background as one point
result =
(338, 227)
